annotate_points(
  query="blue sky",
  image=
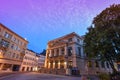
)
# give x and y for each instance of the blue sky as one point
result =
(42, 20)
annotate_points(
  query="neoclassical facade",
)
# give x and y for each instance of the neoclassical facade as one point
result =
(65, 56)
(12, 49)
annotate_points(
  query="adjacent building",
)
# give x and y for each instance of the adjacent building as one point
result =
(41, 61)
(12, 49)
(30, 61)
(65, 56)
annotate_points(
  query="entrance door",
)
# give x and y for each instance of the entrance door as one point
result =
(16, 67)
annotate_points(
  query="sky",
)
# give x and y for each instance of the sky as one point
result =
(40, 21)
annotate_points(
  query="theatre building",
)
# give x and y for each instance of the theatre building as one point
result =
(12, 49)
(65, 56)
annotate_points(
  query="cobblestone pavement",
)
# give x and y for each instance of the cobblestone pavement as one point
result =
(38, 76)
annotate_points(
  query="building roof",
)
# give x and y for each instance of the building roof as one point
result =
(73, 33)
(12, 32)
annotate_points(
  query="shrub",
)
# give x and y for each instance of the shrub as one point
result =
(104, 76)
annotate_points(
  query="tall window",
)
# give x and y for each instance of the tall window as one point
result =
(89, 64)
(96, 64)
(13, 55)
(79, 51)
(107, 65)
(57, 52)
(63, 50)
(78, 40)
(69, 51)
(102, 64)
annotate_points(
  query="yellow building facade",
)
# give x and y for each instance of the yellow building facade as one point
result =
(12, 49)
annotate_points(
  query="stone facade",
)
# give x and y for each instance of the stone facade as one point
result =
(12, 49)
(30, 61)
(65, 56)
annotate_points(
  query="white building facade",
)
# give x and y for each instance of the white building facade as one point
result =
(65, 55)
(30, 61)
(41, 61)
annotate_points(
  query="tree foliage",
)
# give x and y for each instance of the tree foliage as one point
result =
(103, 38)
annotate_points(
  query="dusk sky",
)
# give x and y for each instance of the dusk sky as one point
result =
(42, 20)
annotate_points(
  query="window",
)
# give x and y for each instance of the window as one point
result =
(13, 55)
(7, 35)
(20, 43)
(4, 43)
(78, 40)
(69, 51)
(107, 65)
(14, 39)
(62, 51)
(89, 64)
(70, 39)
(102, 64)
(12, 46)
(79, 51)
(57, 52)
(96, 64)
(15, 47)
(17, 56)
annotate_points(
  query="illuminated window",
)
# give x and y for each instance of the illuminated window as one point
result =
(89, 64)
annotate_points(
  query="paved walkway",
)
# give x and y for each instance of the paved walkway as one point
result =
(37, 76)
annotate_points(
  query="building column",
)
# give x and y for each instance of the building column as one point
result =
(65, 64)
(53, 64)
(45, 65)
(1, 67)
(50, 55)
(55, 52)
(74, 56)
(66, 51)
(60, 52)
(59, 64)
(49, 64)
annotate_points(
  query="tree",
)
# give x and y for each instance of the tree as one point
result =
(103, 38)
